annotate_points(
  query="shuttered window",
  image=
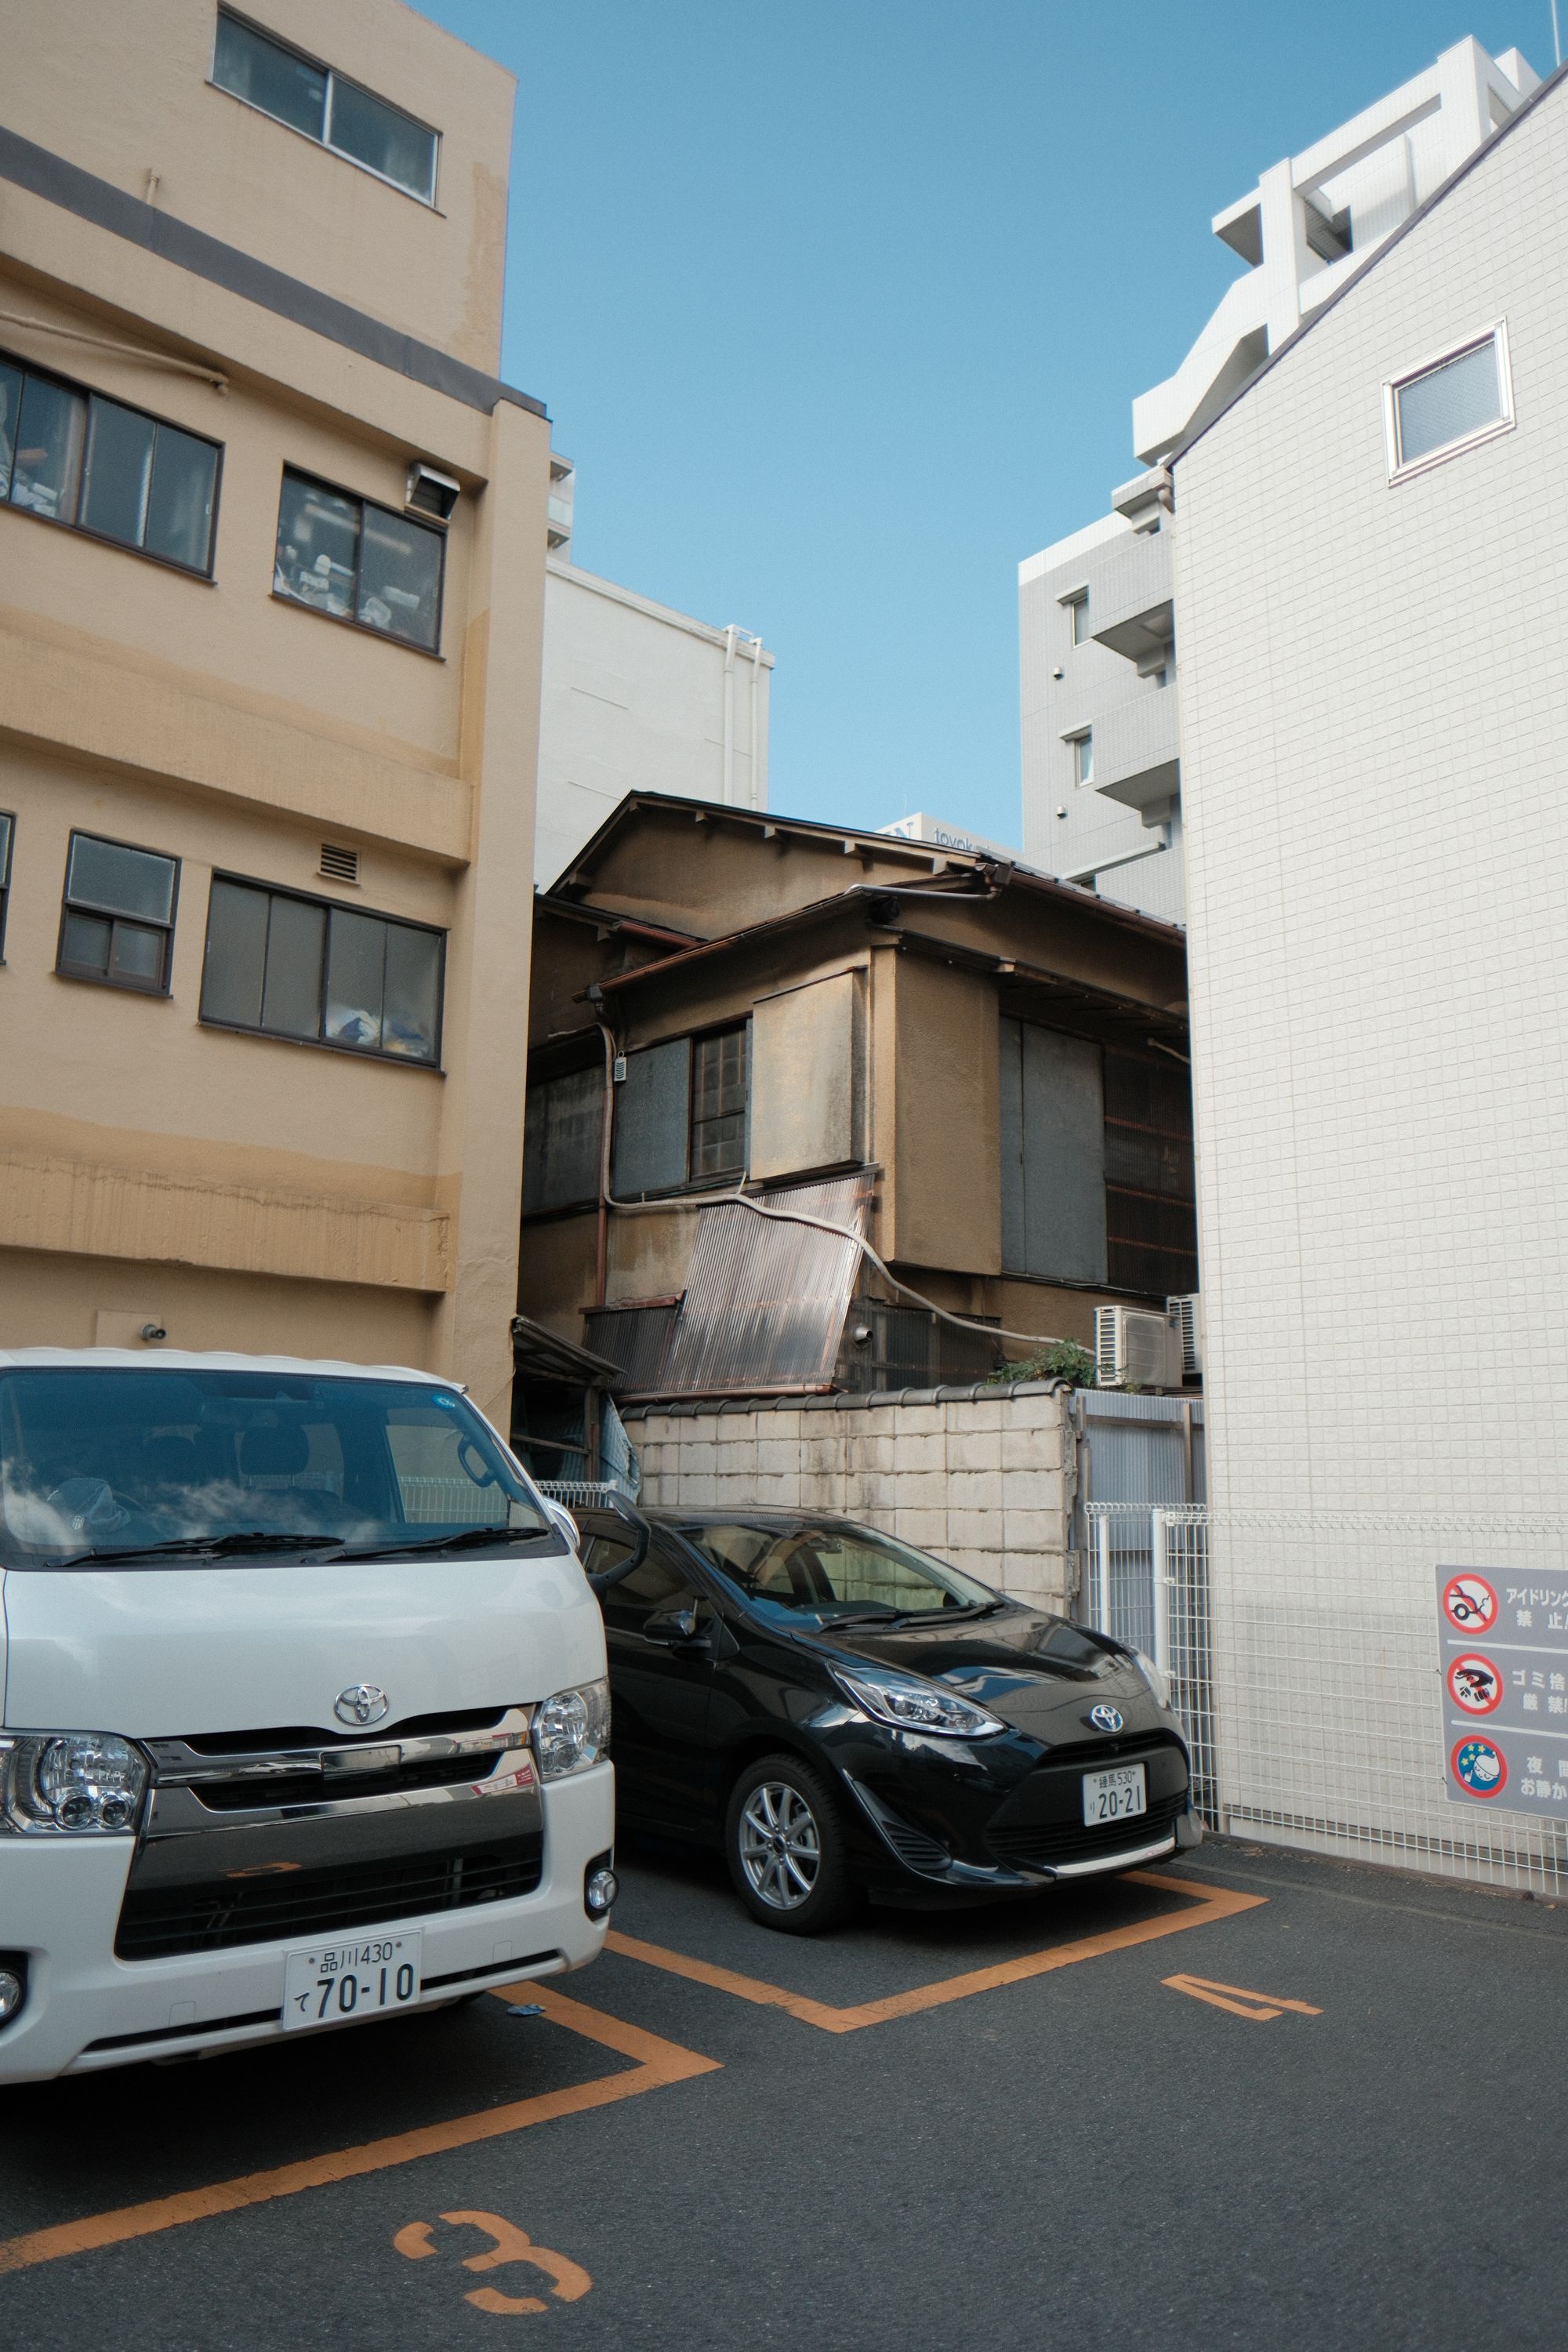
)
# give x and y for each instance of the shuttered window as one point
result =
(1053, 1155)
(561, 1134)
(1149, 1188)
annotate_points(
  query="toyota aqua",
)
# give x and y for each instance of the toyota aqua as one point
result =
(305, 1719)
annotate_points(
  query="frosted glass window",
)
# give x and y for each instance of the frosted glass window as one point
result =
(1450, 404)
(94, 464)
(118, 922)
(293, 967)
(312, 97)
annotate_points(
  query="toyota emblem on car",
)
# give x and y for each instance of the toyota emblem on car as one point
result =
(1104, 1718)
(366, 1703)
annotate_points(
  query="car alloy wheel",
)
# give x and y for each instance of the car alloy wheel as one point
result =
(785, 1843)
(780, 1845)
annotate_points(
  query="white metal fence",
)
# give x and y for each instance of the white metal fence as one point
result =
(1304, 1659)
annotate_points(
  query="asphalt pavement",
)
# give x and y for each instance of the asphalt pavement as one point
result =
(1253, 2099)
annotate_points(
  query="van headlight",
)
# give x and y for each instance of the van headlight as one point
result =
(911, 1704)
(572, 1730)
(70, 1783)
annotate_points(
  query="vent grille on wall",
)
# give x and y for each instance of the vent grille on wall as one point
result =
(339, 864)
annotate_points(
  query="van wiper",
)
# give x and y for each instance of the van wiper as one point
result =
(244, 1540)
(466, 1539)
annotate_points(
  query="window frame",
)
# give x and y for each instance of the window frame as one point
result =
(713, 1177)
(1399, 470)
(1075, 605)
(1078, 742)
(351, 620)
(324, 1044)
(69, 906)
(89, 393)
(291, 48)
(7, 817)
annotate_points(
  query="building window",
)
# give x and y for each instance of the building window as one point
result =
(7, 832)
(1082, 749)
(1462, 397)
(310, 97)
(289, 966)
(118, 922)
(359, 563)
(719, 1102)
(562, 1131)
(73, 457)
(1076, 607)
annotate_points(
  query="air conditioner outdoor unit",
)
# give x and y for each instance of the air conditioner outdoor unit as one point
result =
(1187, 1311)
(1135, 1348)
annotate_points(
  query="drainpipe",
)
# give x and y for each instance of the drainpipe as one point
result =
(731, 634)
(757, 686)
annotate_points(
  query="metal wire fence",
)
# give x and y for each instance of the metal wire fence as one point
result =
(1305, 1663)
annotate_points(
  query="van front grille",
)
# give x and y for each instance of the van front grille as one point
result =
(212, 1914)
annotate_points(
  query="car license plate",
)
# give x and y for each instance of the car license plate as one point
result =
(361, 1978)
(1115, 1795)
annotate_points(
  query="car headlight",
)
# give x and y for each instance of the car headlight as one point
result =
(70, 1783)
(911, 1704)
(1158, 1680)
(572, 1730)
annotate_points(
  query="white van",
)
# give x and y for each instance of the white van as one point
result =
(304, 1720)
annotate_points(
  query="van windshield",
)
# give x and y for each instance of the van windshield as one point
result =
(152, 1465)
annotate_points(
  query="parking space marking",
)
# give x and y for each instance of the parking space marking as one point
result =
(1209, 1904)
(1263, 2005)
(658, 2062)
(509, 2245)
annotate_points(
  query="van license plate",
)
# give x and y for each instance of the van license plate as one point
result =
(333, 1981)
(1115, 1795)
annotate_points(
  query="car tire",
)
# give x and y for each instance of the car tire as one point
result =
(783, 1841)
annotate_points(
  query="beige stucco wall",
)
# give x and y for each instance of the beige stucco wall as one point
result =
(984, 1482)
(128, 93)
(275, 1188)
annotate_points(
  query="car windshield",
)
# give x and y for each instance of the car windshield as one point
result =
(96, 1464)
(834, 1573)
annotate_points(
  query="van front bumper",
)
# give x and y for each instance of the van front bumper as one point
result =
(59, 1907)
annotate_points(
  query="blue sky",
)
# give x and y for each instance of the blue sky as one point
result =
(838, 306)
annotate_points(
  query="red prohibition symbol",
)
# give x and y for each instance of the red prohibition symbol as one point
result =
(1470, 1604)
(1475, 1683)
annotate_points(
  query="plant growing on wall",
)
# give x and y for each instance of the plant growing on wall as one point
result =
(1064, 1360)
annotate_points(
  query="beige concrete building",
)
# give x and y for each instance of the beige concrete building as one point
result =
(272, 542)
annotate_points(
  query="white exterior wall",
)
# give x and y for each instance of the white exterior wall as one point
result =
(634, 698)
(1375, 734)
(1374, 703)
(987, 1483)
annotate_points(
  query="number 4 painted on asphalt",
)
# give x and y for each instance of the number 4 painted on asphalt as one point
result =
(1259, 2007)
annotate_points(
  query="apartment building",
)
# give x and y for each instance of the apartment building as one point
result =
(1099, 634)
(1374, 710)
(272, 544)
(636, 698)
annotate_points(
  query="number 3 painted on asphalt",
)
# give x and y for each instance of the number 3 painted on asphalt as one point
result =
(568, 2280)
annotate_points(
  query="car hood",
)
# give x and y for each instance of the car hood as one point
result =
(1036, 1672)
(153, 1652)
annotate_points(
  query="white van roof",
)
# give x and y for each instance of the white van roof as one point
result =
(149, 1360)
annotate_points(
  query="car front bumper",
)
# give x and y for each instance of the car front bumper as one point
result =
(85, 2008)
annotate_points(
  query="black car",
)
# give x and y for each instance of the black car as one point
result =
(842, 1713)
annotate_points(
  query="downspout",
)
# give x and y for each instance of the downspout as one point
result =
(731, 634)
(757, 800)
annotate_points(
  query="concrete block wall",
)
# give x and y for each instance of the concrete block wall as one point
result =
(980, 1476)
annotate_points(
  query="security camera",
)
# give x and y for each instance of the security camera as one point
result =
(154, 1333)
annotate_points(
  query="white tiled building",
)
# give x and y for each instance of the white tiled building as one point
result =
(1099, 629)
(1373, 601)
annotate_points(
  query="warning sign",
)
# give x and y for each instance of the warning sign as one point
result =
(1475, 1683)
(1505, 1699)
(1470, 1603)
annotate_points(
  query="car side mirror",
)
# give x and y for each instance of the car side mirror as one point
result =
(672, 1626)
(563, 1522)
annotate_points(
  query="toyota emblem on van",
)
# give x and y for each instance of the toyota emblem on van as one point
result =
(360, 1704)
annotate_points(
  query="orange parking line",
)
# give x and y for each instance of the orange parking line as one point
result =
(1211, 1904)
(658, 2063)
(1266, 2004)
